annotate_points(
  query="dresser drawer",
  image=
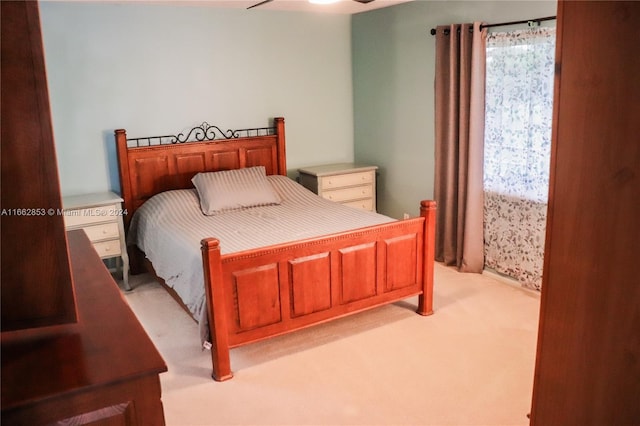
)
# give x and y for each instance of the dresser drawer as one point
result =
(104, 231)
(108, 248)
(350, 179)
(80, 217)
(361, 204)
(348, 194)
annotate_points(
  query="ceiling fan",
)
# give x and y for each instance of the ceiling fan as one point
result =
(268, 1)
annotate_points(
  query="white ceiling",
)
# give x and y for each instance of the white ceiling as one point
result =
(341, 7)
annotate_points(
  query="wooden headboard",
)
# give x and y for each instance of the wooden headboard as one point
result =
(153, 164)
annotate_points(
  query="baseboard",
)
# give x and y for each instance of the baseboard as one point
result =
(507, 280)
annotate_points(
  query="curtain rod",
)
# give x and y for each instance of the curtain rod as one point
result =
(502, 24)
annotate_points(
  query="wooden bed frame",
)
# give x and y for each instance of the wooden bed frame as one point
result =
(256, 294)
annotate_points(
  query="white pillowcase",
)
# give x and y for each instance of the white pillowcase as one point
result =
(234, 189)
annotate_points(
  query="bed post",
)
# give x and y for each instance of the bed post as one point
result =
(425, 300)
(123, 169)
(282, 155)
(136, 258)
(216, 311)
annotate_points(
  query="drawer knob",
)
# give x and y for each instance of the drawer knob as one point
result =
(107, 249)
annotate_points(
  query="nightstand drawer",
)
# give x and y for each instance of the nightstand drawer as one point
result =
(361, 204)
(347, 194)
(346, 183)
(108, 248)
(98, 214)
(350, 179)
(105, 231)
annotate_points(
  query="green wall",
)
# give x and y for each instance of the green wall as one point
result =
(154, 68)
(393, 79)
(350, 87)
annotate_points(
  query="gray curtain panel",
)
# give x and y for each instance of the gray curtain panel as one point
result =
(459, 139)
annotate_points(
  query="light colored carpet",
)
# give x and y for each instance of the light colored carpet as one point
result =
(471, 363)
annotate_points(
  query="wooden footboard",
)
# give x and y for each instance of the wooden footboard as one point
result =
(256, 294)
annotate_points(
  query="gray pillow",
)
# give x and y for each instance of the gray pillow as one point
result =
(234, 189)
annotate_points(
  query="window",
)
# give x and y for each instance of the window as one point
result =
(518, 113)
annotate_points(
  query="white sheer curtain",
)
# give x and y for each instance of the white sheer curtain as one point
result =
(518, 111)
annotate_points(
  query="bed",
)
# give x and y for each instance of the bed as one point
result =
(260, 270)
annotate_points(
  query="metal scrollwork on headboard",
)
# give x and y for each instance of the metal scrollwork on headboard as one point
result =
(204, 132)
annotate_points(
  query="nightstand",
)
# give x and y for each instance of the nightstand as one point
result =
(100, 216)
(345, 183)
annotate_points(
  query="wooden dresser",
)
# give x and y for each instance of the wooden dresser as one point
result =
(346, 183)
(36, 276)
(72, 350)
(103, 369)
(100, 216)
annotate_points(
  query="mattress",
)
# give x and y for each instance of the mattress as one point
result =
(169, 226)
